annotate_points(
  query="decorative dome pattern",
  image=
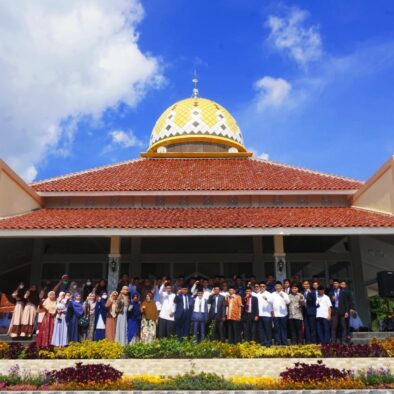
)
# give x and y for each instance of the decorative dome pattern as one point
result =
(196, 117)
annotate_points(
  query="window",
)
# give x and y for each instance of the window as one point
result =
(339, 269)
(209, 269)
(77, 245)
(242, 269)
(85, 270)
(269, 267)
(184, 269)
(53, 271)
(156, 270)
(307, 270)
(196, 245)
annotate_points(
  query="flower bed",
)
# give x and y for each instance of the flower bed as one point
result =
(105, 377)
(172, 348)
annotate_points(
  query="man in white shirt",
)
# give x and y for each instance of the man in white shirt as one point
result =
(280, 300)
(167, 312)
(200, 315)
(323, 316)
(264, 298)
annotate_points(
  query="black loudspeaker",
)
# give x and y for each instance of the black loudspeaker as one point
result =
(386, 283)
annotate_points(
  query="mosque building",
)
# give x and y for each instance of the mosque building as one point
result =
(197, 202)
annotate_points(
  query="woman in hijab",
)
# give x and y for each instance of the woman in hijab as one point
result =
(100, 317)
(30, 312)
(74, 288)
(44, 336)
(101, 287)
(122, 305)
(149, 318)
(15, 325)
(110, 323)
(87, 288)
(60, 332)
(134, 319)
(73, 316)
(89, 312)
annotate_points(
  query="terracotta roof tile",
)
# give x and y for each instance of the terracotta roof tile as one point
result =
(150, 218)
(196, 175)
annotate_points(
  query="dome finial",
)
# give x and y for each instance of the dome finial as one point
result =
(195, 82)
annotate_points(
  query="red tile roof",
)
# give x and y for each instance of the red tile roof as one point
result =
(196, 175)
(150, 218)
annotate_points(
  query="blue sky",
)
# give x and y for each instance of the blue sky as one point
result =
(310, 83)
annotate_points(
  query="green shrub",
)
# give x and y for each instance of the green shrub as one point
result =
(192, 381)
(172, 348)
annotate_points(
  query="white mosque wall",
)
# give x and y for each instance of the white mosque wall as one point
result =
(378, 193)
(15, 196)
(377, 254)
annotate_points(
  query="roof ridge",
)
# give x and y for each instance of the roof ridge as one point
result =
(278, 163)
(94, 169)
(369, 210)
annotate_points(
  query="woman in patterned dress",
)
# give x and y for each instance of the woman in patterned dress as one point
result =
(110, 322)
(44, 336)
(149, 319)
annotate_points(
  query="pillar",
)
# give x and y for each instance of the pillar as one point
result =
(135, 265)
(358, 285)
(279, 258)
(258, 260)
(36, 262)
(114, 263)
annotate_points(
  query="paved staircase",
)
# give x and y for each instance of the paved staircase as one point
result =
(365, 337)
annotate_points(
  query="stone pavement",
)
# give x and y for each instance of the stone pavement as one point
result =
(225, 367)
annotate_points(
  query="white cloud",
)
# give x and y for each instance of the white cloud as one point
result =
(61, 61)
(289, 34)
(271, 92)
(124, 139)
(256, 154)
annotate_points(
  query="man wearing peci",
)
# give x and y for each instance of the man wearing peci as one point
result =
(183, 301)
(342, 303)
(217, 313)
(309, 313)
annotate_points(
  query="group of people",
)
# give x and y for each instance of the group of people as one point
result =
(143, 309)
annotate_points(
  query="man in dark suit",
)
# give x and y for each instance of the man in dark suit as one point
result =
(250, 315)
(217, 313)
(183, 301)
(309, 314)
(342, 303)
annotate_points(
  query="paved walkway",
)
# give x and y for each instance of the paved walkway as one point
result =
(225, 367)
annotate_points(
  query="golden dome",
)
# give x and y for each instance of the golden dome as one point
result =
(196, 120)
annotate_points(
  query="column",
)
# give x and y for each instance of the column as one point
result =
(258, 260)
(135, 264)
(114, 264)
(36, 262)
(358, 285)
(279, 258)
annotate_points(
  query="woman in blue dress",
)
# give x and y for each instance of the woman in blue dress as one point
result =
(101, 317)
(134, 319)
(74, 313)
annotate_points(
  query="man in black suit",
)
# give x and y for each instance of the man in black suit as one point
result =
(342, 303)
(183, 301)
(309, 314)
(217, 313)
(250, 315)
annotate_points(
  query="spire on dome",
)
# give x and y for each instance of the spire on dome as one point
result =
(195, 82)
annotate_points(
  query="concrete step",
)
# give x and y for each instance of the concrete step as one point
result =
(7, 338)
(366, 337)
